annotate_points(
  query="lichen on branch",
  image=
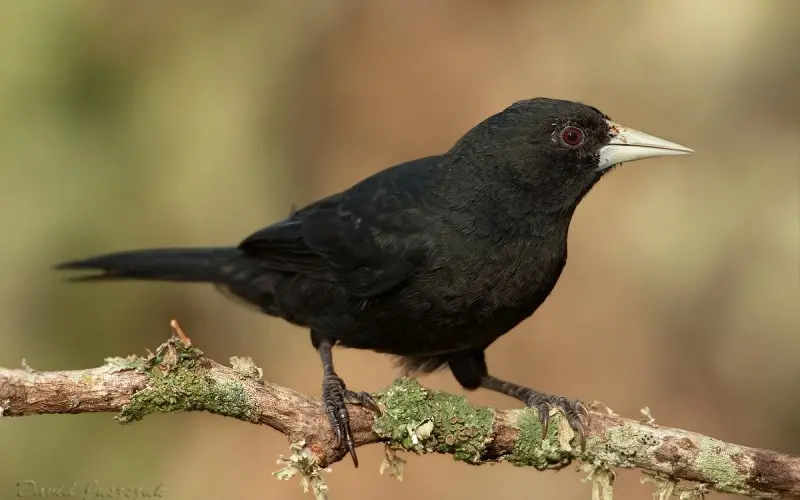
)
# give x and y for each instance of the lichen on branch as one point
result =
(180, 377)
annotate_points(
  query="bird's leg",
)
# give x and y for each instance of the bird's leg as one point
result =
(334, 396)
(573, 410)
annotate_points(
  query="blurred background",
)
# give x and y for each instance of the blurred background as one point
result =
(136, 124)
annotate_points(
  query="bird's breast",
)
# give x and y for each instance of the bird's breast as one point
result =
(472, 300)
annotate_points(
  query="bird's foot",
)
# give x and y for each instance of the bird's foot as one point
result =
(362, 398)
(334, 396)
(572, 409)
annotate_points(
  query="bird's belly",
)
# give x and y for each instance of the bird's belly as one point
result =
(414, 328)
(454, 309)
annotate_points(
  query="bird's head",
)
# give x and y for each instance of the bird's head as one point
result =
(556, 150)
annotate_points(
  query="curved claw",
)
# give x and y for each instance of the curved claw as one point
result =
(542, 407)
(350, 445)
(371, 404)
(364, 399)
(578, 428)
(572, 410)
(583, 410)
(338, 431)
(561, 465)
(352, 450)
(334, 396)
(544, 417)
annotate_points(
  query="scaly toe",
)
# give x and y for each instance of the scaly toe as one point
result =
(362, 398)
(573, 411)
(333, 397)
(540, 403)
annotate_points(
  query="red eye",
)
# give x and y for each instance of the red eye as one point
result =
(572, 136)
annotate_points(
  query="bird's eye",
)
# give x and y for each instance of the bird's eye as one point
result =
(572, 136)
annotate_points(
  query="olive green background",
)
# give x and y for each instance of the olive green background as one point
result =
(130, 124)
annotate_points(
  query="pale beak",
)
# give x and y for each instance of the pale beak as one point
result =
(628, 144)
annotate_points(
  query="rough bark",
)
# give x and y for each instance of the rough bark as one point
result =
(179, 377)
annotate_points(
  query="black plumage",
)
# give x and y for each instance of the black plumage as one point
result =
(430, 260)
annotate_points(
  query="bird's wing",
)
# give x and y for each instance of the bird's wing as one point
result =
(327, 242)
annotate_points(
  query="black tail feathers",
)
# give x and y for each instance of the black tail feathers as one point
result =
(159, 264)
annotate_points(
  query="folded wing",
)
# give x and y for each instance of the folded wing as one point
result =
(328, 243)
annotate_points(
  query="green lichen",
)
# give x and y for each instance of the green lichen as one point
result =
(534, 449)
(718, 461)
(458, 428)
(627, 445)
(118, 364)
(622, 445)
(179, 381)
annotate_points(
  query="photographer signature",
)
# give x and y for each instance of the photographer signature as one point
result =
(88, 491)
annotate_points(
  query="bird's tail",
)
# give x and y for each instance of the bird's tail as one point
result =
(210, 265)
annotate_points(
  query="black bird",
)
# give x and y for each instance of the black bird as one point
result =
(430, 260)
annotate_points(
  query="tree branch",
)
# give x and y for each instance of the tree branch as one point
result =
(178, 377)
